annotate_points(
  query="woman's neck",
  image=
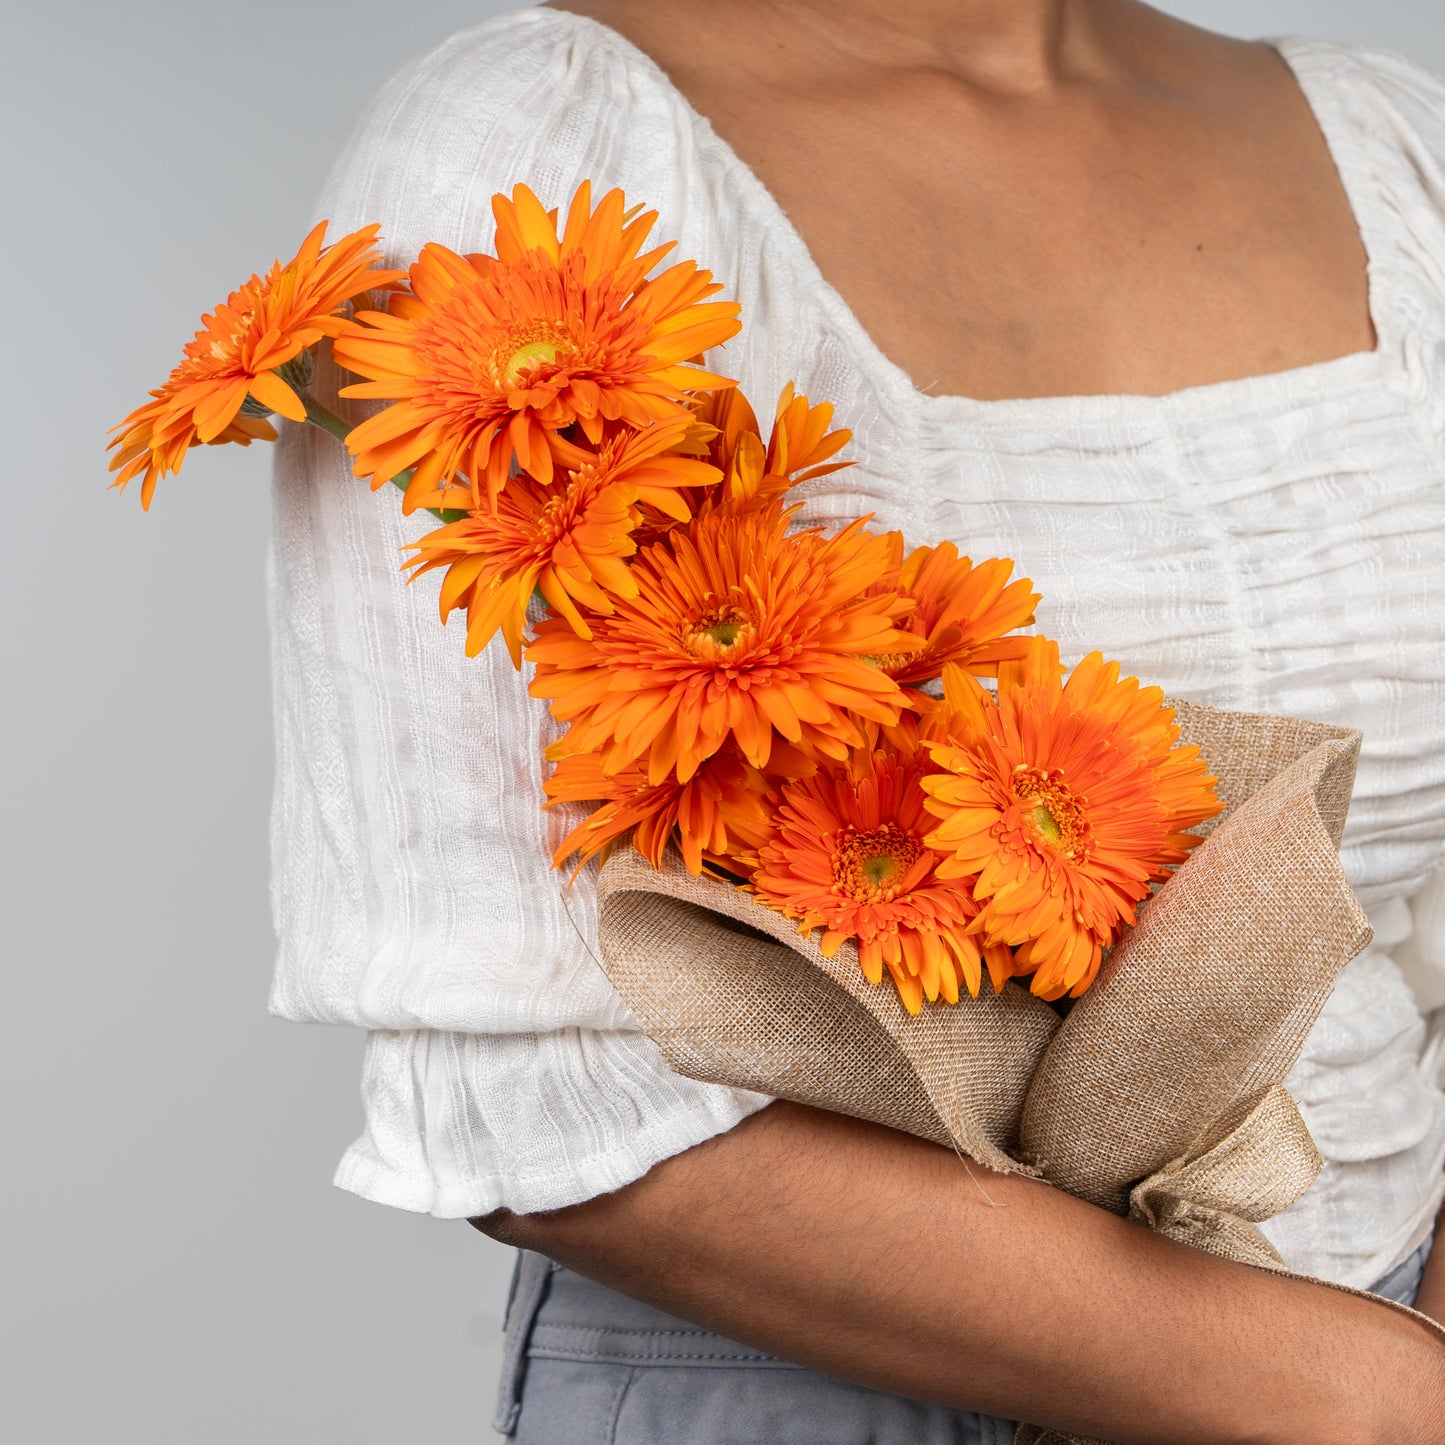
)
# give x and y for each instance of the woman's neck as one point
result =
(1024, 198)
(997, 45)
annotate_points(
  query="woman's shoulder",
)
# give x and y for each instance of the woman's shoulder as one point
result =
(510, 52)
(1388, 74)
(536, 95)
(1388, 99)
(1384, 116)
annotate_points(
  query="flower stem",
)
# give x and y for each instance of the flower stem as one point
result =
(324, 417)
(328, 421)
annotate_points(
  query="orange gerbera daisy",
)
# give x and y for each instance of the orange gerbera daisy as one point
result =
(568, 539)
(719, 812)
(1067, 800)
(740, 631)
(488, 357)
(962, 613)
(848, 855)
(755, 474)
(233, 374)
(800, 443)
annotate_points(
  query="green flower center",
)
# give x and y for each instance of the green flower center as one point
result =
(725, 631)
(1047, 824)
(1056, 816)
(870, 866)
(879, 869)
(721, 635)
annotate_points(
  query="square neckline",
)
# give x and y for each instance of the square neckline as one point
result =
(902, 398)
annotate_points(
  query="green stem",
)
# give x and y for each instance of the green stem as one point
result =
(328, 421)
(324, 417)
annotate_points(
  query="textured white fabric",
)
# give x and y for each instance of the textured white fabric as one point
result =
(1273, 543)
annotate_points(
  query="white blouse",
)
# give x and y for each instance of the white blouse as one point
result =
(1273, 543)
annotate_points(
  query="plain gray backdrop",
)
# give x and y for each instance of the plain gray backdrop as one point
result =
(178, 1267)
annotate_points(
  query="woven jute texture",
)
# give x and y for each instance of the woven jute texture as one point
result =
(732, 993)
(1159, 1095)
(1205, 1003)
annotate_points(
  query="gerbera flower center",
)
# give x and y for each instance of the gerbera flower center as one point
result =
(869, 867)
(725, 633)
(529, 347)
(1058, 817)
(717, 636)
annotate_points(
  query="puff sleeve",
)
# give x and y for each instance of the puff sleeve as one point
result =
(412, 892)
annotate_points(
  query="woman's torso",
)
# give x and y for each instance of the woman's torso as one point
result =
(1274, 542)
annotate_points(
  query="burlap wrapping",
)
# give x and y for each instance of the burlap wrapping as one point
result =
(1159, 1095)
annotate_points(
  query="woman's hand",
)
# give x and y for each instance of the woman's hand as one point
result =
(880, 1258)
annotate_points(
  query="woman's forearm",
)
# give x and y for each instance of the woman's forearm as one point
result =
(882, 1259)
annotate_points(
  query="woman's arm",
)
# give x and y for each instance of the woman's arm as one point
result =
(879, 1258)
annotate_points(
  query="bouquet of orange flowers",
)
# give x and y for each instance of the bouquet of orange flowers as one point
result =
(835, 756)
(755, 692)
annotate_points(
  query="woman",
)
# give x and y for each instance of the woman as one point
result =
(1162, 316)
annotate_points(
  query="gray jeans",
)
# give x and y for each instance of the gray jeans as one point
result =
(584, 1365)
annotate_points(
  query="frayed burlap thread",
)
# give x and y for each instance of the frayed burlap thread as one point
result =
(1160, 1094)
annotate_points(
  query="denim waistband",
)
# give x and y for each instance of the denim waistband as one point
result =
(586, 1322)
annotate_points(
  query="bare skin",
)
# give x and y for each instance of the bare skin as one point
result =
(876, 1257)
(1024, 198)
(1016, 198)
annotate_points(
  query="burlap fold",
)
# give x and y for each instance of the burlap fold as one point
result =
(732, 993)
(1204, 1005)
(1159, 1095)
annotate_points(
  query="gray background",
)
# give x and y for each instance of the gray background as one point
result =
(179, 1267)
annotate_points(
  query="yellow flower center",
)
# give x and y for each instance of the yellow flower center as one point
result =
(869, 867)
(529, 347)
(714, 638)
(1047, 824)
(1058, 817)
